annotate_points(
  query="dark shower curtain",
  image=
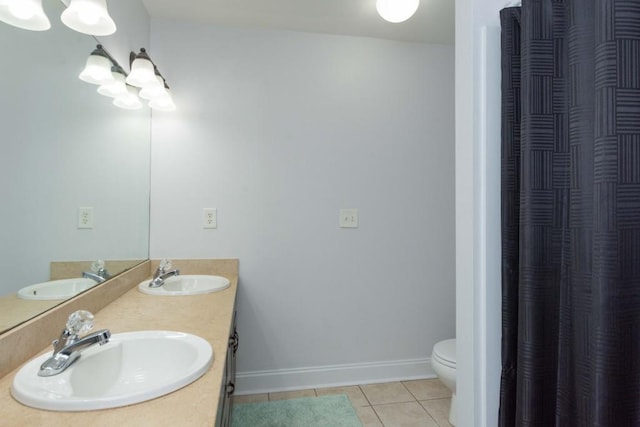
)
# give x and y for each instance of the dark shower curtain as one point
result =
(571, 213)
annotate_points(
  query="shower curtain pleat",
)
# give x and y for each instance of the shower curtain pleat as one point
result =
(571, 213)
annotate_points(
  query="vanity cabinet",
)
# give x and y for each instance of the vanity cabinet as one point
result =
(225, 405)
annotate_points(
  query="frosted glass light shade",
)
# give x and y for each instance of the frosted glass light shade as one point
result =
(128, 100)
(397, 10)
(153, 91)
(142, 71)
(97, 70)
(114, 88)
(89, 17)
(163, 103)
(26, 14)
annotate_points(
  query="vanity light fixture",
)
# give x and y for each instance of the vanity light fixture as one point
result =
(98, 67)
(154, 88)
(158, 95)
(26, 14)
(89, 17)
(128, 100)
(103, 70)
(397, 10)
(154, 91)
(85, 16)
(117, 86)
(142, 70)
(163, 102)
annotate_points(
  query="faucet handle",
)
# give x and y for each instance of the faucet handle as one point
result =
(97, 265)
(79, 322)
(165, 264)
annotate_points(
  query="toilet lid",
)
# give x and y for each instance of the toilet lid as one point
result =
(446, 351)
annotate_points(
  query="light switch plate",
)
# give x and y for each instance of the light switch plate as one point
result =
(349, 218)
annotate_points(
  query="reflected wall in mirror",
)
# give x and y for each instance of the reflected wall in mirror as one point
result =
(64, 147)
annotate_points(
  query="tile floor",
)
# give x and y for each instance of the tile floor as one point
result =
(420, 403)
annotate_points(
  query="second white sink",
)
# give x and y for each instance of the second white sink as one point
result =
(132, 367)
(186, 285)
(56, 289)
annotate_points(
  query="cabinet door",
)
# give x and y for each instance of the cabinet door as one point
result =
(222, 417)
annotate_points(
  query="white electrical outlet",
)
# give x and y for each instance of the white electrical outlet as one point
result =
(209, 218)
(349, 218)
(85, 217)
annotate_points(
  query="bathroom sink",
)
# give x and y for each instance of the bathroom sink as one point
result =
(56, 289)
(186, 285)
(131, 368)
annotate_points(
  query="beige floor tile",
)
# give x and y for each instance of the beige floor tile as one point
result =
(378, 394)
(292, 394)
(251, 398)
(408, 414)
(354, 394)
(368, 416)
(439, 410)
(427, 389)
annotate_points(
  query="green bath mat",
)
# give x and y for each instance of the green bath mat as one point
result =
(324, 411)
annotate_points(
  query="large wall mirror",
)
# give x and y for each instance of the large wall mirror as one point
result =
(64, 147)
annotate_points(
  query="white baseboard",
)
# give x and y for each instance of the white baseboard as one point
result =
(332, 376)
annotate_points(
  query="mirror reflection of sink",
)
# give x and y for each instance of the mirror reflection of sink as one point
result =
(186, 285)
(132, 367)
(56, 289)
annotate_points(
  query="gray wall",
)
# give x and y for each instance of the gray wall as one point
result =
(279, 130)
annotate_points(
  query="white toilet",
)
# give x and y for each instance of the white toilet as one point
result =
(443, 360)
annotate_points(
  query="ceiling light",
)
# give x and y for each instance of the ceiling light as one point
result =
(397, 10)
(89, 17)
(26, 14)
(142, 70)
(98, 68)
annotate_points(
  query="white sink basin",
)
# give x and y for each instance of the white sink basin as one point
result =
(56, 289)
(186, 285)
(131, 368)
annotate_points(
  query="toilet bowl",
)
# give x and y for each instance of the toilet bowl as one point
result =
(443, 360)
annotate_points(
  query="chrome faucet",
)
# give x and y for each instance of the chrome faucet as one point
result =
(162, 273)
(93, 276)
(98, 272)
(68, 347)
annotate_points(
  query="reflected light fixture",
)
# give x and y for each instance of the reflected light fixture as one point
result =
(397, 10)
(26, 14)
(117, 86)
(103, 70)
(89, 17)
(158, 95)
(154, 91)
(98, 67)
(163, 102)
(142, 70)
(128, 100)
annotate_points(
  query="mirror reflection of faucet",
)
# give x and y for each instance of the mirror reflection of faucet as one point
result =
(68, 347)
(98, 272)
(162, 273)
